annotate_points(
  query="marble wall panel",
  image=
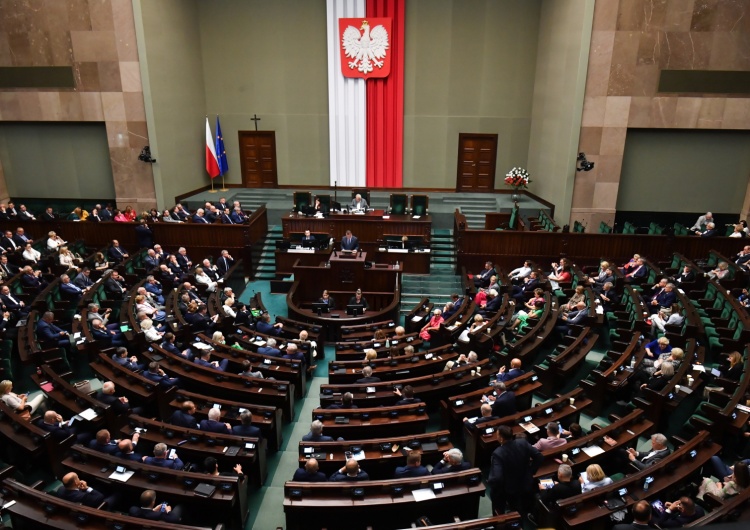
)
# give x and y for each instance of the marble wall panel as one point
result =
(651, 35)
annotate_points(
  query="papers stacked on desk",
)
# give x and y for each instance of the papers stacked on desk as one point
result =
(87, 414)
(529, 427)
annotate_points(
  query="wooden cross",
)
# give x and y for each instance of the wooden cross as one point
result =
(256, 119)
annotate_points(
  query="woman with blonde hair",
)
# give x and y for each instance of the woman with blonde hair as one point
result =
(54, 241)
(19, 403)
(149, 331)
(370, 355)
(593, 478)
(67, 258)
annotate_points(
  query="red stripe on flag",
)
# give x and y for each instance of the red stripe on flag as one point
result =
(212, 166)
(385, 105)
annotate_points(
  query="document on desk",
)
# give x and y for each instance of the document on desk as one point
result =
(88, 414)
(423, 494)
(416, 318)
(122, 477)
(593, 450)
(359, 456)
(529, 427)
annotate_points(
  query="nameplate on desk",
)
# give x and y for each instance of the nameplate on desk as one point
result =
(398, 250)
(301, 251)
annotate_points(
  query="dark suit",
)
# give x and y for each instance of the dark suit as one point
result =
(70, 291)
(561, 490)
(519, 292)
(483, 278)
(214, 426)
(365, 380)
(49, 332)
(504, 404)
(183, 419)
(510, 374)
(222, 364)
(493, 304)
(238, 217)
(226, 219)
(349, 243)
(82, 281)
(114, 403)
(145, 236)
(151, 262)
(338, 476)
(148, 513)
(223, 265)
(362, 301)
(300, 475)
(643, 460)
(441, 468)
(116, 253)
(126, 362)
(31, 280)
(91, 498)
(247, 430)
(8, 244)
(164, 462)
(13, 306)
(198, 219)
(511, 477)
(410, 471)
(110, 448)
(310, 437)
(266, 328)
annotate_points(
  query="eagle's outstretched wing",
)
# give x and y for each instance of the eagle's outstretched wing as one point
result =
(350, 40)
(379, 42)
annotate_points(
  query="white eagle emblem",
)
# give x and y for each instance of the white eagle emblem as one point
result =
(365, 49)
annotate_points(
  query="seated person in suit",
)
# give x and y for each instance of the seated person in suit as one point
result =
(358, 299)
(645, 459)
(126, 450)
(367, 376)
(211, 466)
(107, 337)
(53, 423)
(493, 303)
(185, 416)
(349, 473)
(641, 518)
(609, 298)
(48, 332)
(148, 509)
(161, 452)
(483, 278)
(347, 402)
(515, 371)
(316, 433)
(413, 467)
(520, 292)
(349, 242)
(407, 396)
(504, 404)
(270, 348)
(224, 263)
(485, 412)
(104, 442)
(246, 427)
(358, 203)
(563, 488)
(12, 303)
(319, 207)
(453, 460)
(205, 360)
(116, 252)
(264, 326)
(293, 353)
(83, 280)
(327, 299)
(576, 317)
(68, 290)
(310, 473)
(678, 513)
(119, 404)
(247, 370)
(157, 375)
(76, 490)
(212, 424)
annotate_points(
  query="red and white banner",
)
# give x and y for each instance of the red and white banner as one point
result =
(366, 92)
(212, 164)
(365, 49)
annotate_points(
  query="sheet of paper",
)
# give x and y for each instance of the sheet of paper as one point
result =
(423, 494)
(88, 414)
(529, 427)
(593, 450)
(699, 368)
(359, 456)
(416, 319)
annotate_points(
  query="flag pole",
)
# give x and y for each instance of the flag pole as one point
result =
(212, 190)
(223, 186)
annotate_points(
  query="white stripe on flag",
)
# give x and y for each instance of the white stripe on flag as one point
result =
(347, 110)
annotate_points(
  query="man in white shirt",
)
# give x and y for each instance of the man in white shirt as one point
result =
(517, 275)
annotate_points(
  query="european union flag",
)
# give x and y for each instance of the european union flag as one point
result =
(221, 154)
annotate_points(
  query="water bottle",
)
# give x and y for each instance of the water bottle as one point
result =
(632, 362)
(396, 267)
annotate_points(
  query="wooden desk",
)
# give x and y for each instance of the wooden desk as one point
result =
(378, 462)
(172, 486)
(331, 505)
(379, 422)
(368, 228)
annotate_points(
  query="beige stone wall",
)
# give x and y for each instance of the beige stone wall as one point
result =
(96, 38)
(631, 42)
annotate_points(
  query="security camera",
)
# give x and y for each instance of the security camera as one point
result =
(585, 164)
(145, 155)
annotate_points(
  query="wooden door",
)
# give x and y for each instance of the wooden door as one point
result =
(477, 154)
(258, 159)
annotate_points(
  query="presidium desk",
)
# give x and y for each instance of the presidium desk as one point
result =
(370, 229)
(342, 274)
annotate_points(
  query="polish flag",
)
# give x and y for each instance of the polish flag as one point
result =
(212, 164)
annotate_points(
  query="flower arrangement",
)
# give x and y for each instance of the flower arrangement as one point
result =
(517, 178)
